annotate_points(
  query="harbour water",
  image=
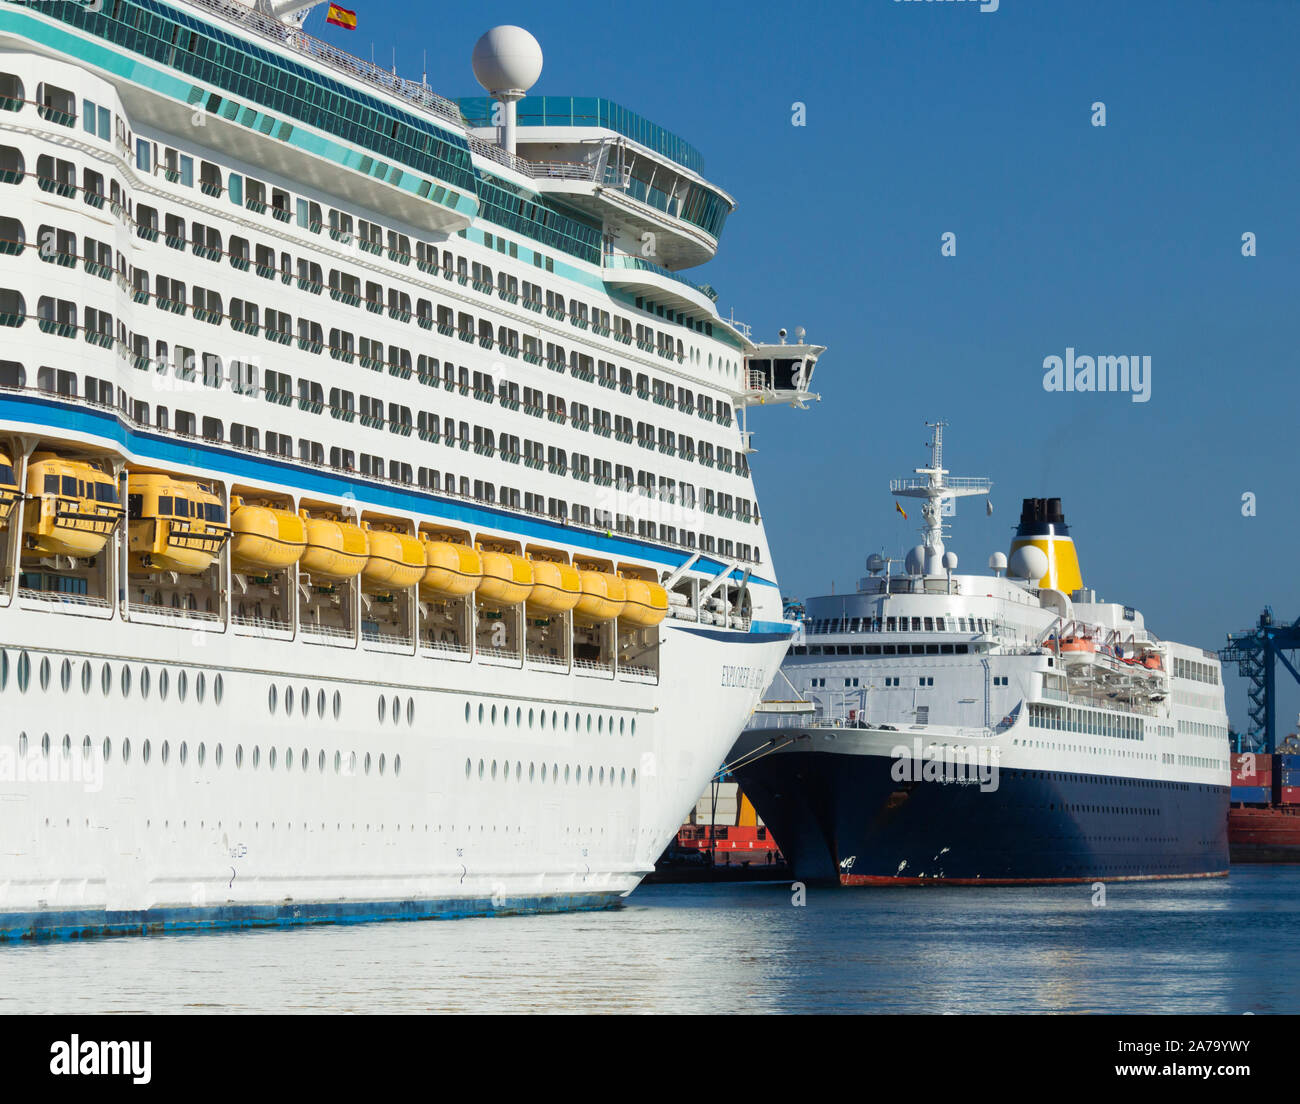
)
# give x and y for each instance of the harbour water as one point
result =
(1213, 946)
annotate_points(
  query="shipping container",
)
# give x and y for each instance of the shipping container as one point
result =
(1259, 778)
(1289, 795)
(1251, 795)
(1290, 777)
(1289, 762)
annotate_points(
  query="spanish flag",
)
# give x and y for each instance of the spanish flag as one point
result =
(341, 17)
(899, 507)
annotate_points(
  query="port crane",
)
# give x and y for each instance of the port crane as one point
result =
(1257, 652)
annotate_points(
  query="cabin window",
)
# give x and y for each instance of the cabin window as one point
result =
(165, 505)
(135, 506)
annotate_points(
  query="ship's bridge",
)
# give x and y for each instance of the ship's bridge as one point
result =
(635, 177)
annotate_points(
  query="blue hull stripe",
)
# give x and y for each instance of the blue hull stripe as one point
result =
(90, 923)
(246, 469)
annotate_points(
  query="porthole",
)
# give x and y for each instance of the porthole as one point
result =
(106, 679)
(519, 770)
(4, 669)
(164, 681)
(270, 758)
(543, 772)
(367, 762)
(469, 767)
(257, 755)
(272, 698)
(519, 716)
(166, 752)
(467, 712)
(201, 755)
(22, 745)
(239, 755)
(87, 676)
(410, 711)
(338, 705)
(609, 726)
(126, 751)
(620, 725)
(634, 776)
(320, 704)
(65, 675)
(45, 672)
(126, 681)
(304, 702)
(397, 769)
(24, 672)
(182, 685)
(600, 724)
(480, 712)
(566, 772)
(67, 746)
(480, 769)
(505, 771)
(543, 720)
(352, 763)
(217, 756)
(554, 721)
(338, 761)
(494, 770)
(566, 722)
(144, 682)
(144, 752)
(494, 714)
(288, 701)
(532, 771)
(218, 690)
(555, 773)
(382, 763)
(505, 717)
(602, 776)
(200, 687)
(530, 718)
(320, 762)
(105, 749)
(397, 709)
(588, 722)
(306, 759)
(622, 777)
(633, 726)
(383, 708)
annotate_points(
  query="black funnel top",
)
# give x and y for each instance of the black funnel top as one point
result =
(1036, 514)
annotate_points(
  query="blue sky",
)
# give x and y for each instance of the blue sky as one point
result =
(925, 118)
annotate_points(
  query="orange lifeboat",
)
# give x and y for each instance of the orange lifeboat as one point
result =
(336, 549)
(264, 538)
(450, 570)
(556, 587)
(396, 559)
(1078, 644)
(647, 604)
(507, 579)
(604, 597)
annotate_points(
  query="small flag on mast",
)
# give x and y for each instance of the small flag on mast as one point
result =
(899, 507)
(988, 507)
(341, 17)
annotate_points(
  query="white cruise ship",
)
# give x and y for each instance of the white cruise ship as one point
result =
(937, 727)
(377, 537)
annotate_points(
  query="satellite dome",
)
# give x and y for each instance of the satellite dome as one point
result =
(998, 562)
(1028, 562)
(875, 563)
(915, 561)
(950, 561)
(507, 59)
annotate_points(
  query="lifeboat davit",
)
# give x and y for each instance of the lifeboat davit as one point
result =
(336, 549)
(265, 538)
(450, 570)
(507, 579)
(75, 507)
(556, 587)
(8, 488)
(604, 597)
(396, 560)
(647, 604)
(173, 524)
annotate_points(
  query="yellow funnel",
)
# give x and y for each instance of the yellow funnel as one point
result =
(1042, 525)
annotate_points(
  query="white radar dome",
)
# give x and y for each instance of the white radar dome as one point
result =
(1028, 562)
(507, 59)
(998, 562)
(875, 563)
(915, 561)
(950, 561)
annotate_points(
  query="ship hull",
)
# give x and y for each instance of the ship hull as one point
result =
(844, 819)
(289, 828)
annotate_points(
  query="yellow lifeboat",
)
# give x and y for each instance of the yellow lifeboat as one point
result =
(266, 538)
(173, 525)
(507, 579)
(647, 604)
(336, 549)
(556, 587)
(450, 570)
(396, 559)
(75, 507)
(8, 488)
(604, 596)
